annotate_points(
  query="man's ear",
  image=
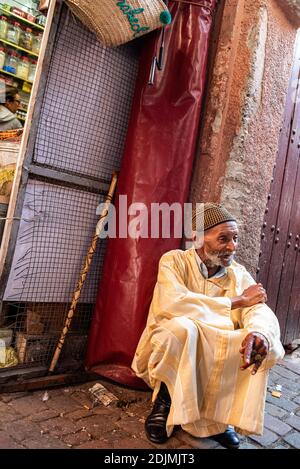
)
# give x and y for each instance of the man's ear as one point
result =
(198, 239)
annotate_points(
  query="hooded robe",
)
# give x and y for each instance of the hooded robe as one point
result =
(191, 343)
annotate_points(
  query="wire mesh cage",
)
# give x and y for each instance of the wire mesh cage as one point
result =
(81, 131)
(56, 228)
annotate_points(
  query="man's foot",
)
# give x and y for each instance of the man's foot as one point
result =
(155, 425)
(229, 439)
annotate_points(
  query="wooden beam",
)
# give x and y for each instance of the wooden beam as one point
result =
(18, 375)
(46, 382)
(80, 182)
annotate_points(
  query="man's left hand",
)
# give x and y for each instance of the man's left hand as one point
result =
(254, 350)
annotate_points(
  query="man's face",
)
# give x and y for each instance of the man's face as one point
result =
(13, 105)
(220, 244)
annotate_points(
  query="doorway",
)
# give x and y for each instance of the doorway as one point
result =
(279, 265)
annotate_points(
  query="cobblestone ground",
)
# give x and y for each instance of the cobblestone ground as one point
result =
(68, 419)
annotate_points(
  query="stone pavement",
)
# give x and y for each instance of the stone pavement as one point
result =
(66, 418)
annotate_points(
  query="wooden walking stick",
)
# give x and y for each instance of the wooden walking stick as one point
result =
(84, 272)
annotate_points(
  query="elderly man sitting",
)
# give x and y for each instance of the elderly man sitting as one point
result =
(209, 340)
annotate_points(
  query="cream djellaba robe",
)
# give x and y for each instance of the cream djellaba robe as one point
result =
(191, 343)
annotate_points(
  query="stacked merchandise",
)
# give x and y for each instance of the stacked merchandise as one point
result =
(9, 150)
(21, 30)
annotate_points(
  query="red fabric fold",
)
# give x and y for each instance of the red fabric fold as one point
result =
(156, 167)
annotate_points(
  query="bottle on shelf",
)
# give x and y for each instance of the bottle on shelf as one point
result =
(32, 70)
(36, 43)
(14, 32)
(31, 11)
(23, 68)
(21, 114)
(2, 57)
(26, 38)
(11, 62)
(26, 87)
(3, 27)
(18, 12)
(31, 18)
(8, 81)
(5, 7)
(41, 19)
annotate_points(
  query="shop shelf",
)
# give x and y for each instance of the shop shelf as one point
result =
(11, 44)
(22, 20)
(13, 75)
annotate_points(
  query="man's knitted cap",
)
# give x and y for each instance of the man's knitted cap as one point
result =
(208, 215)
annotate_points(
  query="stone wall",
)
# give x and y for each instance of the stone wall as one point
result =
(244, 111)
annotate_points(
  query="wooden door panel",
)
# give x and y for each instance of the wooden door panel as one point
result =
(284, 212)
(292, 329)
(270, 219)
(286, 302)
(293, 268)
(279, 266)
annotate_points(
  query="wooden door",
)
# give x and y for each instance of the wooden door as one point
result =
(279, 266)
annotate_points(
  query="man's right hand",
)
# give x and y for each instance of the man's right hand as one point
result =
(251, 296)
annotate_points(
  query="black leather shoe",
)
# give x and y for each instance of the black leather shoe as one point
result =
(229, 439)
(155, 425)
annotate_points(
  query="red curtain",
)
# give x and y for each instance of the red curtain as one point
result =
(156, 167)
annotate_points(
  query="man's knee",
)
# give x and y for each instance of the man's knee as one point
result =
(180, 329)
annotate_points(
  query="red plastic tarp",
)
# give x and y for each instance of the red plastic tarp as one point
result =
(156, 167)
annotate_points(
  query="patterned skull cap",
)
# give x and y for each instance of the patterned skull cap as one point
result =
(208, 215)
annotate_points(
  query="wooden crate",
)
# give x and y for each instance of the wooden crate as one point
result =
(51, 317)
(39, 348)
(35, 348)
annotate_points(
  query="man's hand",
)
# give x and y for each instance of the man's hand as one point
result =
(254, 350)
(251, 296)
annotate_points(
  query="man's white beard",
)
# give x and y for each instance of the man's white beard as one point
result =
(214, 259)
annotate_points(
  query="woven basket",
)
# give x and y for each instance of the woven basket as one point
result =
(117, 22)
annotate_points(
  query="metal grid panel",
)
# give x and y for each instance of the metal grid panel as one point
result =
(81, 131)
(87, 103)
(55, 232)
(56, 229)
